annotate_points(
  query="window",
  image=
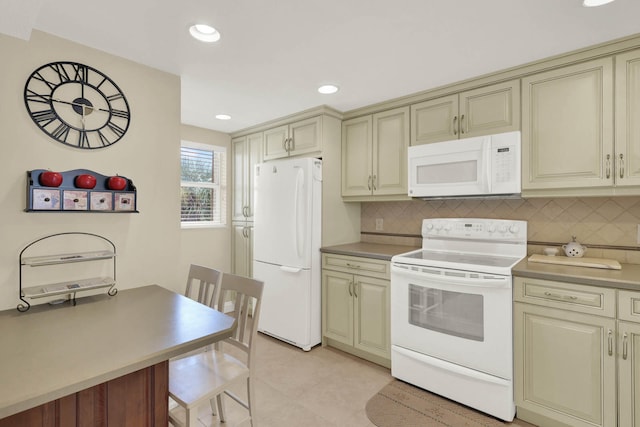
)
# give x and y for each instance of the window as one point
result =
(203, 185)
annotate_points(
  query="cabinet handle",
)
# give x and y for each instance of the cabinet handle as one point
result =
(284, 144)
(462, 124)
(369, 183)
(374, 182)
(608, 166)
(455, 127)
(560, 297)
(355, 287)
(624, 346)
(621, 165)
(610, 347)
(290, 145)
(352, 265)
(350, 287)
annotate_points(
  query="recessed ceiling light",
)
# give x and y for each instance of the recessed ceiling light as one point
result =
(328, 89)
(223, 117)
(204, 33)
(593, 3)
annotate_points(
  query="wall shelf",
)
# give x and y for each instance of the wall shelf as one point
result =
(69, 198)
(70, 287)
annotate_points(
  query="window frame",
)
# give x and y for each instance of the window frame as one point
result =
(219, 187)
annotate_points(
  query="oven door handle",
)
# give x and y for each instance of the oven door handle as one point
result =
(490, 282)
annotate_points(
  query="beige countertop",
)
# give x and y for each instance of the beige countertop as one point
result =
(626, 278)
(368, 250)
(52, 351)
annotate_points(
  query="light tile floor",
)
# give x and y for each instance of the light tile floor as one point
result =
(320, 388)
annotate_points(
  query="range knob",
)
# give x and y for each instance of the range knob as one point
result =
(438, 227)
(514, 229)
(448, 227)
(491, 228)
(428, 226)
(502, 229)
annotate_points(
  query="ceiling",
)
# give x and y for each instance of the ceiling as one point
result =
(273, 54)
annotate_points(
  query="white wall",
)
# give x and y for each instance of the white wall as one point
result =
(150, 245)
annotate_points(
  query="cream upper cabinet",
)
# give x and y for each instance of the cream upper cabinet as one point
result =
(374, 155)
(567, 128)
(627, 146)
(297, 138)
(483, 111)
(246, 154)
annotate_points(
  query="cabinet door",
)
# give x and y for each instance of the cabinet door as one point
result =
(434, 120)
(306, 136)
(275, 143)
(390, 143)
(253, 156)
(356, 157)
(629, 373)
(242, 262)
(371, 315)
(627, 152)
(567, 127)
(488, 110)
(239, 148)
(565, 365)
(337, 306)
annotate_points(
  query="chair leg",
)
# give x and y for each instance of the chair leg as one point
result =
(221, 408)
(214, 410)
(192, 418)
(250, 396)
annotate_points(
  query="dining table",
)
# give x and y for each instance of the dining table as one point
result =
(100, 362)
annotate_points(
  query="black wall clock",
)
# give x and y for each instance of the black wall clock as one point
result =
(77, 105)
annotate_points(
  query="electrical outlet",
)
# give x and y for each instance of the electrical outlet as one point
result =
(379, 224)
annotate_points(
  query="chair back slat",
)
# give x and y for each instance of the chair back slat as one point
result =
(208, 282)
(246, 290)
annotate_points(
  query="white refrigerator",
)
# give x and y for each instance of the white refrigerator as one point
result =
(286, 251)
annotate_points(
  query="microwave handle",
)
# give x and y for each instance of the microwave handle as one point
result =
(487, 152)
(455, 127)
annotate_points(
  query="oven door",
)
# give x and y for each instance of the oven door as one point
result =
(453, 315)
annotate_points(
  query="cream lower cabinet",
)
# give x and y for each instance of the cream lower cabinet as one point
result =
(374, 156)
(572, 354)
(483, 111)
(355, 306)
(242, 243)
(629, 358)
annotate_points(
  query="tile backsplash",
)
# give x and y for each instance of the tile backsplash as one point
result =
(608, 224)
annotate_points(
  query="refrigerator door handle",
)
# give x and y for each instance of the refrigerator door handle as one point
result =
(290, 269)
(299, 225)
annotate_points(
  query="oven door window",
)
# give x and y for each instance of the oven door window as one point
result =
(452, 313)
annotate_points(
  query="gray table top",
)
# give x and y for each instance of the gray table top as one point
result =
(52, 351)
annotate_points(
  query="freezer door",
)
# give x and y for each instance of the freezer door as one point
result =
(288, 304)
(284, 203)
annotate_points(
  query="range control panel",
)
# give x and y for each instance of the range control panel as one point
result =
(475, 228)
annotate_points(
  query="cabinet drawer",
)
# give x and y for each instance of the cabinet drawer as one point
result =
(357, 265)
(567, 296)
(629, 306)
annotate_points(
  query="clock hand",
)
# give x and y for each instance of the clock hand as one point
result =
(76, 104)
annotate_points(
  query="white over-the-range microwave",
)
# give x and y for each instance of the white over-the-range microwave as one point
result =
(472, 167)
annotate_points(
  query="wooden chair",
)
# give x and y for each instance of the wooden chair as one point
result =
(206, 376)
(206, 291)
